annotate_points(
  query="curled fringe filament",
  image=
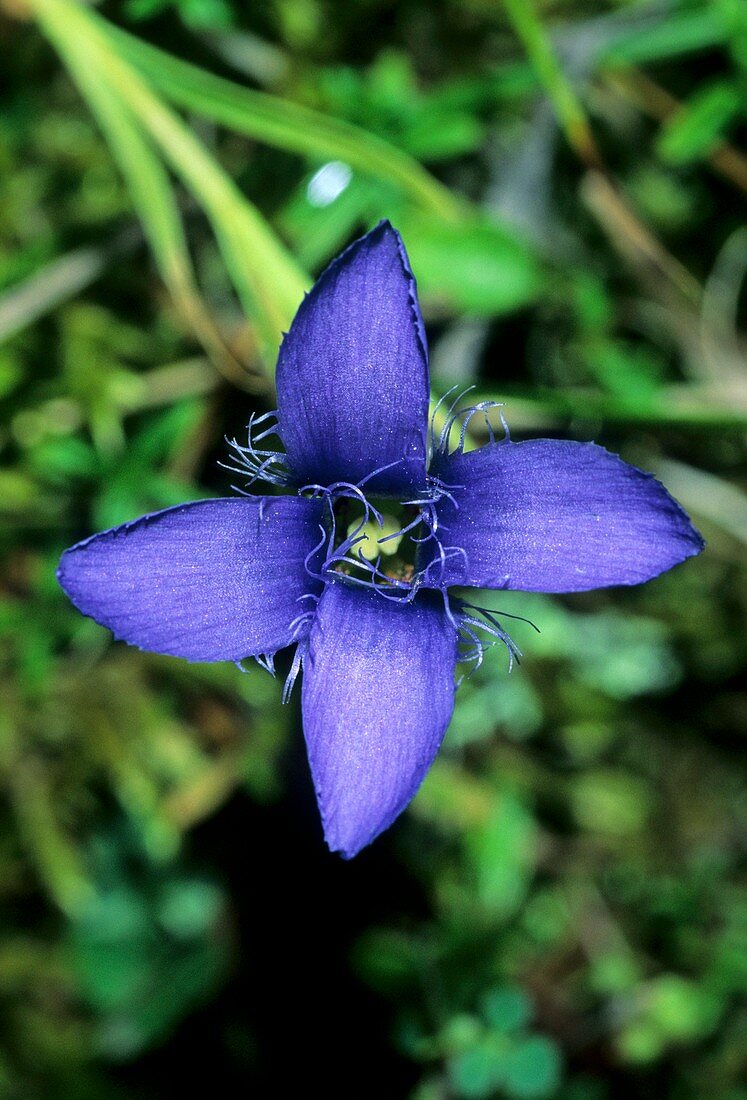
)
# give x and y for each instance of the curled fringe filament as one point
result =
(258, 463)
(440, 444)
(300, 629)
(435, 571)
(396, 589)
(483, 407)
(296, 665)
(331, 494)
(437, 490)
(265, 661)
(318, 576)
(348, 552)
(471, 619)
(488, 611)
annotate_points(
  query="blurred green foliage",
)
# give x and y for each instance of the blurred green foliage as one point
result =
(173, 173)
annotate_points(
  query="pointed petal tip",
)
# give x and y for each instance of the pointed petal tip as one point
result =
(383, 235)
(346, 850)
(388, 233)
(382, 227)
(345, 839)
(694, 537)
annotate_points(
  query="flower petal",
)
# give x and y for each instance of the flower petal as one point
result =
(378, 692)
(352, 374)
(555, 516)
(214, 580)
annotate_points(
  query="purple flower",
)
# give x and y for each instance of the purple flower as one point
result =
(378, 636)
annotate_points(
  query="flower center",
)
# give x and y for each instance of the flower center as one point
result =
(373, 545)
(377, 540)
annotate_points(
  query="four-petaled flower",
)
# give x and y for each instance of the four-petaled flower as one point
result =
(379, 638)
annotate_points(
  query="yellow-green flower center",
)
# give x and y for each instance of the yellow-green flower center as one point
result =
(371, 535)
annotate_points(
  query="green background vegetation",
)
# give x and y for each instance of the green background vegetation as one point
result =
(559, 913)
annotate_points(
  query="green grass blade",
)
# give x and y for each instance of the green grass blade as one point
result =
(526, 21)
(267, 279)
(281, 123)
(152, 196)
(677, 33)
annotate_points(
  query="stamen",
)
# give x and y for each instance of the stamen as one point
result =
(389, 543)
(399, 534)
(360, 562)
